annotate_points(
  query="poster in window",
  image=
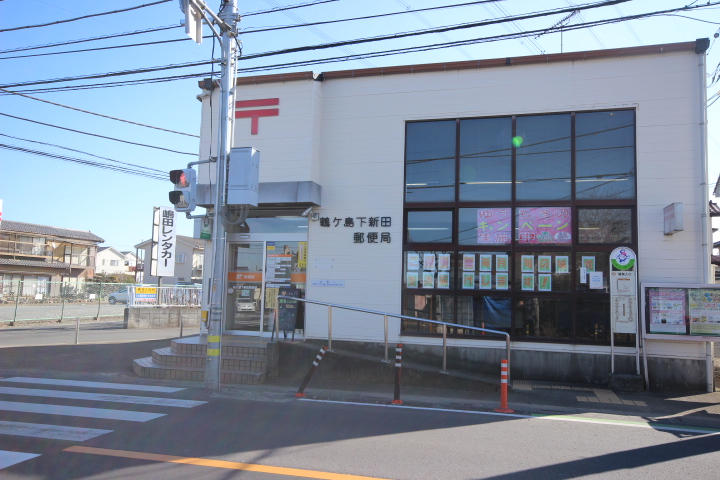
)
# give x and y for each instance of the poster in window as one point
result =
(413, 261)
(444, 261)
(545, 282)
(667, 311)
(528, 263)
(562, 264)
(528, 281)
(548, 225)
(501, 263)
(468, 280)
(501, 281)
(704, 311)
(411, 280)
(429, 261)
(486, 263)
(485, 281)
(493, 226)
(469, 262)
(443, 280)
(428, 280)
(544, 264)
(588, 263)
(596, 280)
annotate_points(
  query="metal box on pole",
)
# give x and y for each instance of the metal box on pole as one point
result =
(243, 176)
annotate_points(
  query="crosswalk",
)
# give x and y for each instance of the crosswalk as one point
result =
(12, 389)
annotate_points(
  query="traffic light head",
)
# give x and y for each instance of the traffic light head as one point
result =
(183, 197)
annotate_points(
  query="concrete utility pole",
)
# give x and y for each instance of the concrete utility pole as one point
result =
(227, 20)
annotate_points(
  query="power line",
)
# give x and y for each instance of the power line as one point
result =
(98, 114)
(91, 39)
(85, 153)
(105, 166)
(156, 42)
(289, 7)
(96, 135)
(84, 17)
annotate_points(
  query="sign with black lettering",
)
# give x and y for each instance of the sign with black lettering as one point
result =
(288, 309)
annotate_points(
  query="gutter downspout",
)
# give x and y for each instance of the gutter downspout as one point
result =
(701, 46)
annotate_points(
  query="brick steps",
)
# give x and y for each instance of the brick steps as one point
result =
(244, 363)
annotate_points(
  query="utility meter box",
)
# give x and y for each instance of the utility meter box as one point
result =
(243, 176)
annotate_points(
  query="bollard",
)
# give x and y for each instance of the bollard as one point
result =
(398, 368)
(504, 388)
(311, 371)
(77, 330)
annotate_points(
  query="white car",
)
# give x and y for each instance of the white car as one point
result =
(245, 305)
(120, 295)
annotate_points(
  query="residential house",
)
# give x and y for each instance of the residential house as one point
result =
(32, 256)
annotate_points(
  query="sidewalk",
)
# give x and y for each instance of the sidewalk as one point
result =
(111, 361)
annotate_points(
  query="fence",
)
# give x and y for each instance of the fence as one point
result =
(57, 301)
(175, 296)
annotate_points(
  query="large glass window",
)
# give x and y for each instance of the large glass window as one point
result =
(486, 159)
(430, 162)
(527, 210)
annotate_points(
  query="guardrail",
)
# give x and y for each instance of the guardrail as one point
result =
(386, 315)
(173, 296)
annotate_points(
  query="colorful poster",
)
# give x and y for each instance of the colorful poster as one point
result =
(444, 261)
(411, 280)
(588, 263)
(469, 262)
(428, 280)
(562, 264)
(413, 261)
(545, 282)
(429, 261)
(704, 311)
(443, 280)
(528, 281)
(528, 263)
(485, 281)
(667, 311)
(501, 281)
(468, 280)
(548, 225)
(493, 226)
(501, 263)
(544, 264)
(486, 263)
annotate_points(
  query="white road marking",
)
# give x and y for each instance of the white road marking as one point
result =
(564, 418)
(102, 397)
(55, 432)
(79, 411)
(79, 383)
(11, 458)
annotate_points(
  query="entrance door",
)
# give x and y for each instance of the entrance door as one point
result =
(243, 307)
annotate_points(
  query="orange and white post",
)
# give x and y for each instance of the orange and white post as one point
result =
(504, 388)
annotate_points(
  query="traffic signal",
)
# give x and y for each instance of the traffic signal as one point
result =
(183, 197)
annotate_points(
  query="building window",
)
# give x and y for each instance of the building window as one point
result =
(181, 258)
(113, 263)
(509, 220)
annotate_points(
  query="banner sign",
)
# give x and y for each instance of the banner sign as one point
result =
(544, 225)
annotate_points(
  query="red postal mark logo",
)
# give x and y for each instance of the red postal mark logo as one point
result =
(254, 114)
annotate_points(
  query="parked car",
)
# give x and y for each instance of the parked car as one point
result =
(120, 295)
(245, 305)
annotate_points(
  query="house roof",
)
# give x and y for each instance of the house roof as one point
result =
(33, 263)
(194, 242)
(22, 227)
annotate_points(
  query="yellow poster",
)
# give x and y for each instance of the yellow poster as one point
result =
(302, 255)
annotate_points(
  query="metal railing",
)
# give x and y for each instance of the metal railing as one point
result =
(444, 326)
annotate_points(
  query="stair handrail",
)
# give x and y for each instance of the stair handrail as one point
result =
(385, 315)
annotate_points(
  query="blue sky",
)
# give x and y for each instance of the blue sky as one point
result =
(117, 206)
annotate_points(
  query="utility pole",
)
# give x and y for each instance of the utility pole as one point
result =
(227, 20)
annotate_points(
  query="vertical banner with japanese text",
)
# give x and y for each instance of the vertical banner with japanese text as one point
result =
(163, 242)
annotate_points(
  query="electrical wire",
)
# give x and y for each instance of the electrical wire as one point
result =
(84, 17)
(83, 162)
(98, 114)
(99, 136)
(85, 153)
(289, 7)
(157, 42)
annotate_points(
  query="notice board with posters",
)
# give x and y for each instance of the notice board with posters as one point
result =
(682, 310)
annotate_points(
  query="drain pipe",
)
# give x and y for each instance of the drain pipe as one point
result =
(701, 46)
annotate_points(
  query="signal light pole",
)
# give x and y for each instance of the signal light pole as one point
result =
(227, 22)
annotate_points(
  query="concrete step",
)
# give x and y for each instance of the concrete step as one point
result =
(168, 358)
(182, 346)
(147, 368)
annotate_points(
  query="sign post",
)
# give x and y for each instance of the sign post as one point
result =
(623, 300)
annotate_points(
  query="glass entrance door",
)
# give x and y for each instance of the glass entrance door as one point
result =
(243, 307)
